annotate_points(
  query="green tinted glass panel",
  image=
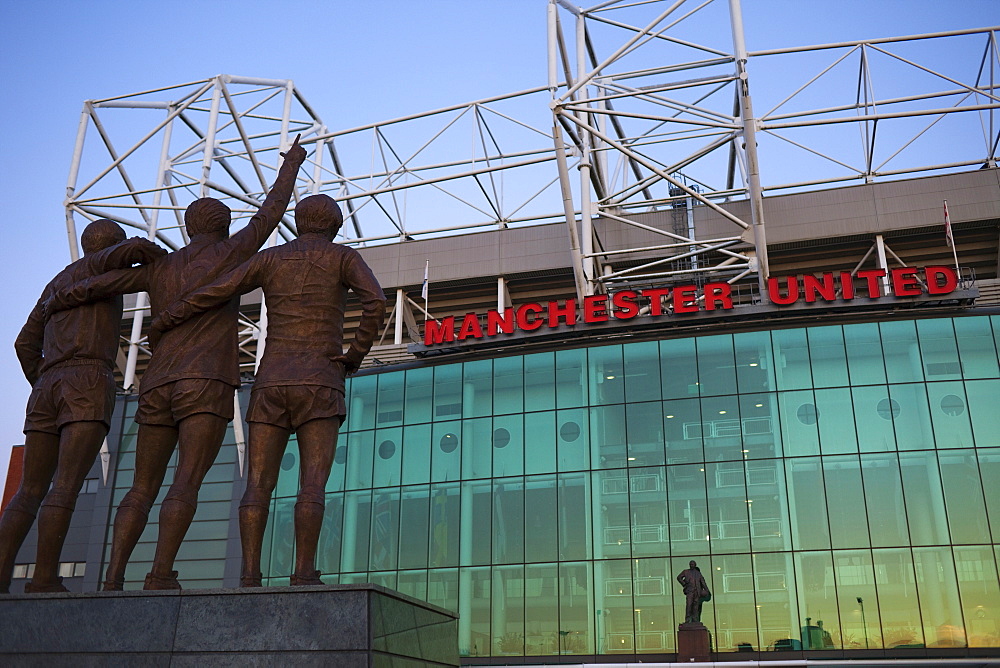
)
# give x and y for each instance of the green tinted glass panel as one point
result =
(444, 525)
(508, 387)
(644, 425)
(754, 363)
(940, 608)
(477, 448)
(845, 499)
(827, 356)
(884, 500)
(446, 451)
(924, 498)
(716, 365)
(897, 593)
(984, 397)
(799, 418)
(734, 612)
(938, 349)
(902, 354)
(976, 350)
(329, 549)
(419, 391)
(863, 343)
(687, 506)
(540, 442)
(835, 412)
(575, 537)
(616, 630)
(607, 436)
(989, 469)
(388, 457)
(979, 589)
(721, 428)
(442, 588)
(678, 369)
(357, 525)
(476, 522)
(507, 624)
(384, 530)
(642, 371)
(874, 415)
(778, 616)
(478, 388)
(648, 507)
(807, 503)
(541, 608)
(539, 382)
(817, 596)
(913, 422)
(857, 600)
(541, 533)
(414, 527)
(390, 400)
(360, 453)
(791, 359)
(610, 513)
(950, 415)
(963, 495)
(508, 445)
(448, 392)
(607, 375)
(571, 378)
(475, 603)
(682, 431)
(576, 623)
(572, 440)
(416, 454)
(728, 516)
(508, 520)
(361, 403)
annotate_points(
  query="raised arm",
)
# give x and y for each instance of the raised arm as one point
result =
(362, 281)
(250, 238)
(237, 282)
(119, 282)
(28, 344)
(123, 255)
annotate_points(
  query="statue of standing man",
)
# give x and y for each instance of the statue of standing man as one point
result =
(695, 592)
(299, 386)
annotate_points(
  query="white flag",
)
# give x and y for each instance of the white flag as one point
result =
(424, 289)
(947, 228)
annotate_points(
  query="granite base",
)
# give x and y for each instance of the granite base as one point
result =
(363, 626)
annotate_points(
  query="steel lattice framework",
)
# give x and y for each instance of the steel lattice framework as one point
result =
(639, 114)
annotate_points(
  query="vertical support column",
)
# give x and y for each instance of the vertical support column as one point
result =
(74, 172)
(142, 297)
(883, 263)
(750, 144)
(586, 213)
(400, 305)
(213, 124)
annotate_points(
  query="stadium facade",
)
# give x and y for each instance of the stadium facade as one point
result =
(831, 463)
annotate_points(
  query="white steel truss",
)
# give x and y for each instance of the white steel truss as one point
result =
(646, 99)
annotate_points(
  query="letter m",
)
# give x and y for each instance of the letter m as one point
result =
(435, 332)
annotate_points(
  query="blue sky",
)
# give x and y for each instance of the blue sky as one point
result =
(356, 62)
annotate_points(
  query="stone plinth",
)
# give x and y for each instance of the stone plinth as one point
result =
(694, 643)
(362, 625)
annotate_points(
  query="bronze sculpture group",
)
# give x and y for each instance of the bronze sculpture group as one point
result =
(186, 395)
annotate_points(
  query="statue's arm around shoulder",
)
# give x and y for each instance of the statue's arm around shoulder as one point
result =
(250, 238)
(123, 255)
(28, 344)
(241, 280)
(95, 288)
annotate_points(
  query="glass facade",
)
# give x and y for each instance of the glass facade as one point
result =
(837, 486)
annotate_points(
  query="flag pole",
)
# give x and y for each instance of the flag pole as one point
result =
(425, 290)
(950, 238)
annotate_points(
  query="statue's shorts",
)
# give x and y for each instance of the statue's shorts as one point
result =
(168, 404)
(291, 406)
(73, 391)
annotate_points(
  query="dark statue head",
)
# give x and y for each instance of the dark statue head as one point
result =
(101, 234)
(207, 215)
(318, 214)
(693, 564)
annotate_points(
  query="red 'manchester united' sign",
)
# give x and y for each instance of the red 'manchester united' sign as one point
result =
(684, 299)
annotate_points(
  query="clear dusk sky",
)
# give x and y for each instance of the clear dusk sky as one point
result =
(356, 62)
